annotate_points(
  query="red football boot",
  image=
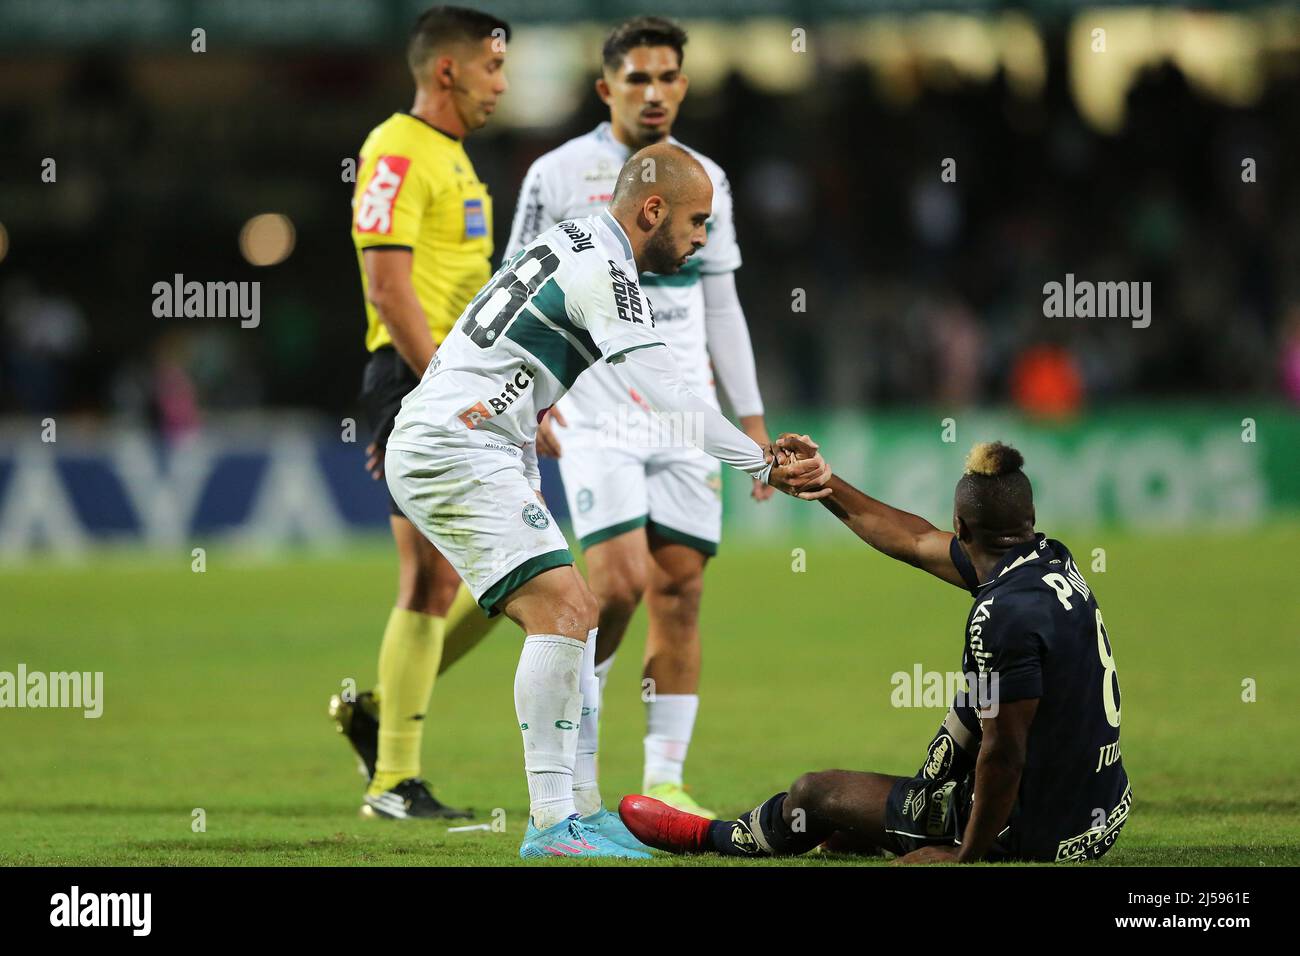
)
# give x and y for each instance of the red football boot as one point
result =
(656, 824)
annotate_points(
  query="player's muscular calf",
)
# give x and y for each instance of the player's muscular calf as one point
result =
(843, 808)
(618, 574)
(426, 581)
(672, 658)
(846, 807)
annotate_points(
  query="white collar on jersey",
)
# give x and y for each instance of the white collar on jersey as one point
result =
(614, 227)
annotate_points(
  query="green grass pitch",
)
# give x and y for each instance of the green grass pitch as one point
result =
(216, 687)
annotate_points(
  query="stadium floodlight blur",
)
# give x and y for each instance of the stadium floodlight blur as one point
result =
(1153, 151)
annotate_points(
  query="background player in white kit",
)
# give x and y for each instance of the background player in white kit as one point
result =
(647, 512)
(461, 463)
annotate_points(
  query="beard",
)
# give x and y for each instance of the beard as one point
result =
(649, 135)
(660, 256)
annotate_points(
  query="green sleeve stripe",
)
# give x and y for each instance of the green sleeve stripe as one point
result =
(545, 329)
(549, 301)
(549, 347)
(632, 348)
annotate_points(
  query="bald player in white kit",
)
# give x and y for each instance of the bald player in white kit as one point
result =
(646, 506)
(461, 462)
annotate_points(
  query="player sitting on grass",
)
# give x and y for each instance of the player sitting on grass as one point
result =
(1035, 774)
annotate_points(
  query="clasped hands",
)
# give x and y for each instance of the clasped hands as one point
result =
(798, 468)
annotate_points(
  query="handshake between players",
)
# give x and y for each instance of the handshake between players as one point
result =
(798, 469)
(1003, 778)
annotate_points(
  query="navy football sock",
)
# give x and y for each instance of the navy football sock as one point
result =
(761, 832)
(782, 839)
(731, 838)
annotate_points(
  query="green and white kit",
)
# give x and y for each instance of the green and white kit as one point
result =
(461, 461)
(621, 467)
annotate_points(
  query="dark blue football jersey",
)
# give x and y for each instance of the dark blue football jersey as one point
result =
(1037, 627)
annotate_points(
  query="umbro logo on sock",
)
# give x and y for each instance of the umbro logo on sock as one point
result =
(742, 839)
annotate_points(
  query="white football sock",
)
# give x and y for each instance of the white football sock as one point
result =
(602, 672)
(586, 793)
(548, 703)
(670, 719)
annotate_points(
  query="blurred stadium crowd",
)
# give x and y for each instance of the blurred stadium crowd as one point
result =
(917, 291)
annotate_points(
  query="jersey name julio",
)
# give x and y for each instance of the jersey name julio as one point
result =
(567, 301)
(1036, 625)
(416, 189)
(577, 179)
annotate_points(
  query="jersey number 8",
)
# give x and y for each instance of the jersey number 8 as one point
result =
(1109, 679)
(502, 300)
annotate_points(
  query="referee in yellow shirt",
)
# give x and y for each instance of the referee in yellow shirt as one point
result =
(422, 226)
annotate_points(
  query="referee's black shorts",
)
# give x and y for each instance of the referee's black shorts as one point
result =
(386, 381)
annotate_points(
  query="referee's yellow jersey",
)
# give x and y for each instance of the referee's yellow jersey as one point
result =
(416, 189)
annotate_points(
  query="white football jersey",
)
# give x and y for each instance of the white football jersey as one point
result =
(577, 179)
(565, 302)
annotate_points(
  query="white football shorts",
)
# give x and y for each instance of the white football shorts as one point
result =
(468, 493)
(676, 493)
